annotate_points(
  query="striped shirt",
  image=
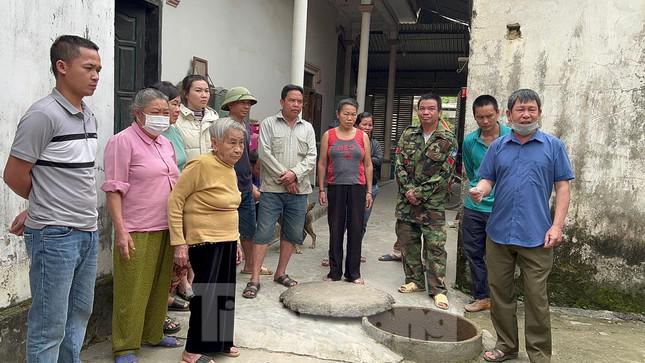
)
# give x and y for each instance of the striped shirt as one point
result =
(61, 142)
(283, 148)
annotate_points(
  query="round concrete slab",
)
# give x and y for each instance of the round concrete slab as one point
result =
(336, 299)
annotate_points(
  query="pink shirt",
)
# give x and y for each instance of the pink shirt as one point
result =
(144, 172)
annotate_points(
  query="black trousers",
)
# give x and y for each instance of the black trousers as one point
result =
(346, 211)
(212, 310)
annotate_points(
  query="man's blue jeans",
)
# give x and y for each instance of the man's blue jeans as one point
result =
(62, 275)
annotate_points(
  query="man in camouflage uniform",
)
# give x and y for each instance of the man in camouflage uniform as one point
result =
(424, 163)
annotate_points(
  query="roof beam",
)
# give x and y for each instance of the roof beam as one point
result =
(417, 52)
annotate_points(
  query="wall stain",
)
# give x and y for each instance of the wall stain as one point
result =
(516, 71)
(540, 70)
(596, 93)
(574, 280)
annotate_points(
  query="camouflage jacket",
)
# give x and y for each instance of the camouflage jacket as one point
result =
(425, 168)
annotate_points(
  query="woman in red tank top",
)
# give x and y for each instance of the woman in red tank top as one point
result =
(346, 165)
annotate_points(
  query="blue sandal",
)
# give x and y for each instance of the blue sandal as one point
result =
(169, 342)
(126, 358)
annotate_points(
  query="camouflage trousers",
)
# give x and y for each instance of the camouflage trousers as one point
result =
(428, 257)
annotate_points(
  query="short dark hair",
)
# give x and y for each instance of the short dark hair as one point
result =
(67, 48)
(485, 100)
(187, 82)
(346, 102)
(430, 96)
(166, 88)
(253, 157)
(361, 116)
(524, 95)
(291, 87)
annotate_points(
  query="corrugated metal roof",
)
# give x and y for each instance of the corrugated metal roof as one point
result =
(420, 47)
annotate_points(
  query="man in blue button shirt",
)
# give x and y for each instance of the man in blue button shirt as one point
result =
(524, 166)
(473, 224)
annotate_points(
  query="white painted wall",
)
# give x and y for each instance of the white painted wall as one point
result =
(247, 43)
(585, 58)
(321, 50)
(28, 29)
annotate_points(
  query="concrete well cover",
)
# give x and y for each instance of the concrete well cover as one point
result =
(336, 299)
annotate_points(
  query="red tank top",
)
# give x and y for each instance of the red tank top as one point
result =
(345, 159)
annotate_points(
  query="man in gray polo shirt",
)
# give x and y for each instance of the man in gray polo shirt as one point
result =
(51, 164)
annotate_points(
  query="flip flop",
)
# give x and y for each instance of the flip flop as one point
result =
(169, 342)
(389, 257)
(263, 271)
(126, 358)
(231, 353)
(499, 356)
(201, 359)
(179, 304)
(186, 295)
(441, 301)
(286, 281)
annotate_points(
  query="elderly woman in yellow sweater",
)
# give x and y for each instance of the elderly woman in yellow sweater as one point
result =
(203, 221)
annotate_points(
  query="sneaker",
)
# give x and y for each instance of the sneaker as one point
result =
(478, 305)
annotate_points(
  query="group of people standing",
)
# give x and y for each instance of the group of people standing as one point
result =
(181, 193)
(201, 219)
(507, 218)
(512, 171)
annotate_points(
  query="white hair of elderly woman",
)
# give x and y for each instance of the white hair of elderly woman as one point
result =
(220, 128)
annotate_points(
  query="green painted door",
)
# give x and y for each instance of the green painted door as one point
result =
(129, 58)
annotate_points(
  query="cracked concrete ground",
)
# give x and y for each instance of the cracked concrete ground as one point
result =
(267, 332)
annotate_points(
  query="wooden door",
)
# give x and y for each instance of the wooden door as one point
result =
(136, 53)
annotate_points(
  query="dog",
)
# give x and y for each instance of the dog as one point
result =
(308, 228)
(309, 224)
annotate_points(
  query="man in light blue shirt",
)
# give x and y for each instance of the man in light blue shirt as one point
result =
(524, 166)
(473, 224)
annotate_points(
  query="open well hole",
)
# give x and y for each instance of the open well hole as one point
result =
(424, 324)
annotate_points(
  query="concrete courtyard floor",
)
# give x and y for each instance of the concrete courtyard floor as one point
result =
(267, 332)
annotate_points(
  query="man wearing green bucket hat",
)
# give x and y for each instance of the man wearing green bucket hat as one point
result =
(238, 102)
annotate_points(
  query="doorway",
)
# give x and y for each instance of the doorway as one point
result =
(137, 45)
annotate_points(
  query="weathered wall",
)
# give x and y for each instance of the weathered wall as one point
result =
(29, 28)
(585, 58)
(246, 43)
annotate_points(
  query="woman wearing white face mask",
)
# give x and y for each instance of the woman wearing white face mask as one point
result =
(140, 172)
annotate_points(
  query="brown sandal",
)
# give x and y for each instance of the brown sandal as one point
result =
(499, 356)
(286, 281)
(251, 290)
